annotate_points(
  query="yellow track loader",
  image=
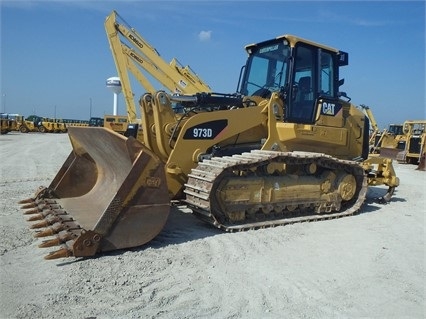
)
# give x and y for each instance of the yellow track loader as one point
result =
(287, 147)
(408, 146)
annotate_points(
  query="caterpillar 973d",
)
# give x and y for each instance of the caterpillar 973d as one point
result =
(287, 147)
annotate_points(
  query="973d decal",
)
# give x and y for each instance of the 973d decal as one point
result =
(205, 131)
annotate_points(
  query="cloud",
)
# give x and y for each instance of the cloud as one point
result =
(371, 23)
(205, 35)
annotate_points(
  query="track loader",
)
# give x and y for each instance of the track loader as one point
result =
(408, 146)
(287, 147)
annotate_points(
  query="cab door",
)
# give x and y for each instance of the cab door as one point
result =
(314, 80)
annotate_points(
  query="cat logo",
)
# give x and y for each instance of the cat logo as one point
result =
(328, 108)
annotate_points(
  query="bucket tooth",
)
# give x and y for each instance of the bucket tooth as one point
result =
(50, 220)
(41, 204)
(45, 213)
(50, 243)
(51, 230)
(61, 253)
(61, 238)
(29, 205)
(41, 191)
(34, 209)
(55, 229)
(26, 201)
(35, 217)
(42, 224)
(31, 211)
(45, 233)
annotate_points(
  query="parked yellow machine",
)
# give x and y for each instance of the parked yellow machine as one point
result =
(117, 123)
(7, 124)
(390, 137)
(415, 135)
(79, 123)
(407, 145)
(28, 126)
(51, 125)
(422, 158)
(14, 119)
(287, 147)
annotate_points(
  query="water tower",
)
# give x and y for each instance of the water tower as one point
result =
(114, 84)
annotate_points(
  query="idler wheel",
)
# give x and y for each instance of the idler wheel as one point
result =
(347, 186)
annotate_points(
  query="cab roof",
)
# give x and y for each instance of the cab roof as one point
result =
(292, 39)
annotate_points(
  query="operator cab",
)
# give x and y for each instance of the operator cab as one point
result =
(306, 75)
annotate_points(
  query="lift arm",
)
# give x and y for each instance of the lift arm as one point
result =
(132, 53)
(370, 116)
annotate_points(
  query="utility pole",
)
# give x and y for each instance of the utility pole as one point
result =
(90, 109)
(4, 102)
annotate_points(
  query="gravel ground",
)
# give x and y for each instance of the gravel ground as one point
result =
(371, 265)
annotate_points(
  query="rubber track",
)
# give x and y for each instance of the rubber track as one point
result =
(201, 182)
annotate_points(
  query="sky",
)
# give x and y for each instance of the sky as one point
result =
(55, 57)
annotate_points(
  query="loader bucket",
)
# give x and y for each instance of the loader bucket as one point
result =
(392, 153)
(422, 163)
(110, 193)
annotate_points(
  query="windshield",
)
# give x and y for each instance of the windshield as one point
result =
(266, 68)
(395, 129)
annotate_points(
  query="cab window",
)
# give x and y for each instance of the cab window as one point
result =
(303, 92)
(327, 76)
